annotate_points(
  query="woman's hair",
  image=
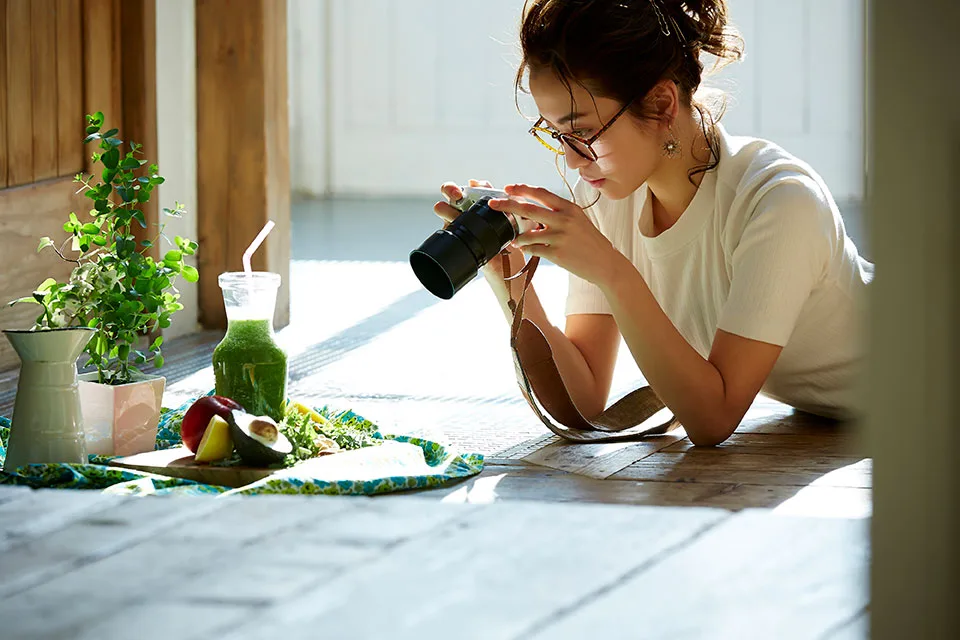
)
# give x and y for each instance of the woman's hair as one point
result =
(621, 49)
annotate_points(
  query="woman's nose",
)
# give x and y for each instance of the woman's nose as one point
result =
(574, 160)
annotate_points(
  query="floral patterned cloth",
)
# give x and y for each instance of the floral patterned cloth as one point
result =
(441, 466)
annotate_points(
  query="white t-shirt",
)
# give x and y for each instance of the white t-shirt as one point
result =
(760, 252)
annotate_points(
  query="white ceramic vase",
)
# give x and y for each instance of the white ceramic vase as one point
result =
(47, 421)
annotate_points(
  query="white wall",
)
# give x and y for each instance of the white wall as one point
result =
(177, 137)
(421, 91)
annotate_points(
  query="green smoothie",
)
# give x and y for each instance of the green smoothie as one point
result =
(251, 369)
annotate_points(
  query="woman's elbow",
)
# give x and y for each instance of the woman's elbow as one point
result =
(710, 433)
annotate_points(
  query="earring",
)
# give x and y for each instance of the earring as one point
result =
(671, 146)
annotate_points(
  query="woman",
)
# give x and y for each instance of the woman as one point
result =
(722, 261)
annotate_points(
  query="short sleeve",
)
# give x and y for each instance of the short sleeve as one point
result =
(584, 296)
(781, 256)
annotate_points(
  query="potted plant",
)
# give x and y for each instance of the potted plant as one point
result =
(120, 291)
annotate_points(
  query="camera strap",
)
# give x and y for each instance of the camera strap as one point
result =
(640, 413)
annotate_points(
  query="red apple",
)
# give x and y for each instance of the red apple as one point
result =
(198, 416)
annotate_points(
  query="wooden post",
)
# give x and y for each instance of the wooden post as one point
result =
(242, 144)
(913, 422)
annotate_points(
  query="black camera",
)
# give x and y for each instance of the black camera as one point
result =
(451, 257)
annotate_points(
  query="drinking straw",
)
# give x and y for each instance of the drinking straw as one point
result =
(256, 245)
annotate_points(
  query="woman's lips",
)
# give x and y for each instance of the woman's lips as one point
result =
(595, 183)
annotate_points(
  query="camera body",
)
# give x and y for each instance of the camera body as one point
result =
(452, 256)
(472, 195)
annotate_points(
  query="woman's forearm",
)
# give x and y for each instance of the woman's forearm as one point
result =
(686, 382)
(577, 377)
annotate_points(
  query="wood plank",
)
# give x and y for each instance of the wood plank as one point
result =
(532, 482)
(70, 121)
(138, 69)
(598, 460)
(811, 501)
(242, 156)
(101, 65)
(44, 77)
(704, 465)
(834, 444)
(42, 511)
(753, 576)
(3, 99)
(27, 214)
(19, 94)
(525, 562)
(257, 552)
(35, 561)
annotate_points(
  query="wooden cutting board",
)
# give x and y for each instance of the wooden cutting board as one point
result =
(178, 462)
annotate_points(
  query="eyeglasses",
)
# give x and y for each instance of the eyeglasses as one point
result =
(554, 140)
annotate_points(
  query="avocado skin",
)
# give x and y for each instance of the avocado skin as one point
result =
(252, 451)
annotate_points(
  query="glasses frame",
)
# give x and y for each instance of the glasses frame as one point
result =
(565, 137)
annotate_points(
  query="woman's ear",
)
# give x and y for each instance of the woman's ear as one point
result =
(665, 98)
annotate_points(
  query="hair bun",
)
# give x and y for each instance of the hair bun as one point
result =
(703, 25)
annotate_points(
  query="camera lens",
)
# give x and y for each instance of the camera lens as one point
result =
(451, 257)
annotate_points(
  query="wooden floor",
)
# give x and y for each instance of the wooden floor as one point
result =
(796, 463)
(84, 565)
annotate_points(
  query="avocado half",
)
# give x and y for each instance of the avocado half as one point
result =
(257, 439)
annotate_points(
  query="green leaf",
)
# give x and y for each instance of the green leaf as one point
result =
(156, 343)
(73, 218)
(173, 256)
(93, 323)
(130, 163)
(190, 274)
(90, 228)
(110, 159)
(99, 240)
(44, 243)
(46, 285)
(123, 351)
(93, 136)
(112, 132)
(158, 362)
(147, 244)
(114, 142)
(26, 299)
(101, 205)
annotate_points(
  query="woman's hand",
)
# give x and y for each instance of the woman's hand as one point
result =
(568, 238)
(448, 213)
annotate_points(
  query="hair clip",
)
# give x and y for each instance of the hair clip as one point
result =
(663, 20)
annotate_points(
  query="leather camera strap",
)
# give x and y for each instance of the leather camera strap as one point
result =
(640, 413)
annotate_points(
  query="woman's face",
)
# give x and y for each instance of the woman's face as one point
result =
(628, 153)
